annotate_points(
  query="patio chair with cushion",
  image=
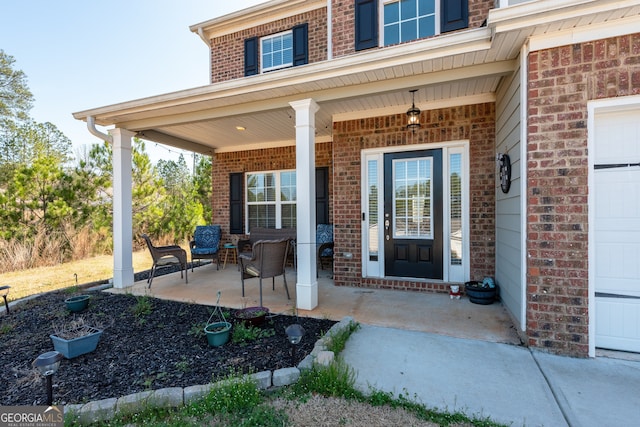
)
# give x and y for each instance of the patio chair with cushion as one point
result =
(206, 244)
(267, 259)
(166, 256)
(324, 240)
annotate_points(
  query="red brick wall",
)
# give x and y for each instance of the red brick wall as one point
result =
(473, 122)
(479, 12)
(343, 22)
(561, 81)
(266, 159)
(227, 52)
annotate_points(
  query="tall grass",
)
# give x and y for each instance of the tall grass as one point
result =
(43, 250)
(45, 265)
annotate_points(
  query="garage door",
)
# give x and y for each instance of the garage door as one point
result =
(617, 230)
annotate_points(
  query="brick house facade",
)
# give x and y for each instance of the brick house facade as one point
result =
(540, 83)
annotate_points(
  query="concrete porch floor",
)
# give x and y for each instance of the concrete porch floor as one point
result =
(424, 312)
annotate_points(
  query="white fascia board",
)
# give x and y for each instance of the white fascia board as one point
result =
(543, 12)
(260, 14)
(495, 68)
(423, 50)
(629, 25)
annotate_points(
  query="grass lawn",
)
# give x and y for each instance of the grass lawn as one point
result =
(43, 279)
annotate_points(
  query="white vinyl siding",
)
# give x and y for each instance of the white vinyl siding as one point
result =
(509, 228)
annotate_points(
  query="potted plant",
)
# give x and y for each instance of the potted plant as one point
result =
(77, 303)
(75, 338)
(217, 332)
(483, 293)
(253, 316)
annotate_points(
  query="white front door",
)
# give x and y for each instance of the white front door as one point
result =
(616, 229)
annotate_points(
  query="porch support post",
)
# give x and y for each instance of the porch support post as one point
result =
(122, 210)
(307, 285)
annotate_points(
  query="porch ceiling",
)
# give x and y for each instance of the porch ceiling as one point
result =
(457, 68)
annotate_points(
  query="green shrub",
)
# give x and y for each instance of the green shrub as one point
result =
(143, 307)
(197, 329)
(243, 333)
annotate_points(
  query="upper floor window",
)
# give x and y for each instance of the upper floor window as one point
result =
(277, 51)
(407, 20)
(388, 22)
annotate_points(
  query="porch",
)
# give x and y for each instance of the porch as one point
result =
(425, 312)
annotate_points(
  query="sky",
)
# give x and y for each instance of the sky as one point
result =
(80, 54)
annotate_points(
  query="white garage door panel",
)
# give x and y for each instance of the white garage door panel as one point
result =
(617, 135)
(616, 230)
(618, 325)
(618, 193)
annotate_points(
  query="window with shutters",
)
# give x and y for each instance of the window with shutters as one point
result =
(407, 20)
(276, 51)
(271, 199)
(401, 21)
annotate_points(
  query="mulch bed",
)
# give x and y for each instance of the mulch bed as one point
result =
(137, 352)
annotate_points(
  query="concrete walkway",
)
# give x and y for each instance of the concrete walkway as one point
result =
(506, 383)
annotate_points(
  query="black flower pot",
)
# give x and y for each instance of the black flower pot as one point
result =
(480, 295)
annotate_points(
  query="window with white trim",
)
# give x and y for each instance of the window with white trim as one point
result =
(276, 51)
(271, 199)
(406, 20)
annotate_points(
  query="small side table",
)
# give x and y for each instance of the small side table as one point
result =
(229, 247)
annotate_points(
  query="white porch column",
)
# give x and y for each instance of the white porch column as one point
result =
(122, 210)
(307, 285)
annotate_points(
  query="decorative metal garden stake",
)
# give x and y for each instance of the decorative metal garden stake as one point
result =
(48, 364)
(4, 290)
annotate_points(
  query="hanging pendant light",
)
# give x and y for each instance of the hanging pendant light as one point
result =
(413, 114)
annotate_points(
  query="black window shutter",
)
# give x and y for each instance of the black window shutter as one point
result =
(300, 45)
(236, 203)
(455, 15)
(366, 12)
(251, 56)
(322, 195)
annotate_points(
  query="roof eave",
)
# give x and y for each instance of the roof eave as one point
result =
(437, 47)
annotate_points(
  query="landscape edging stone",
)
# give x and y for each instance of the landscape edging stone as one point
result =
(105, 409)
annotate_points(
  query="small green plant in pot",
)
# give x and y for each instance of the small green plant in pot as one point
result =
(217, 332)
